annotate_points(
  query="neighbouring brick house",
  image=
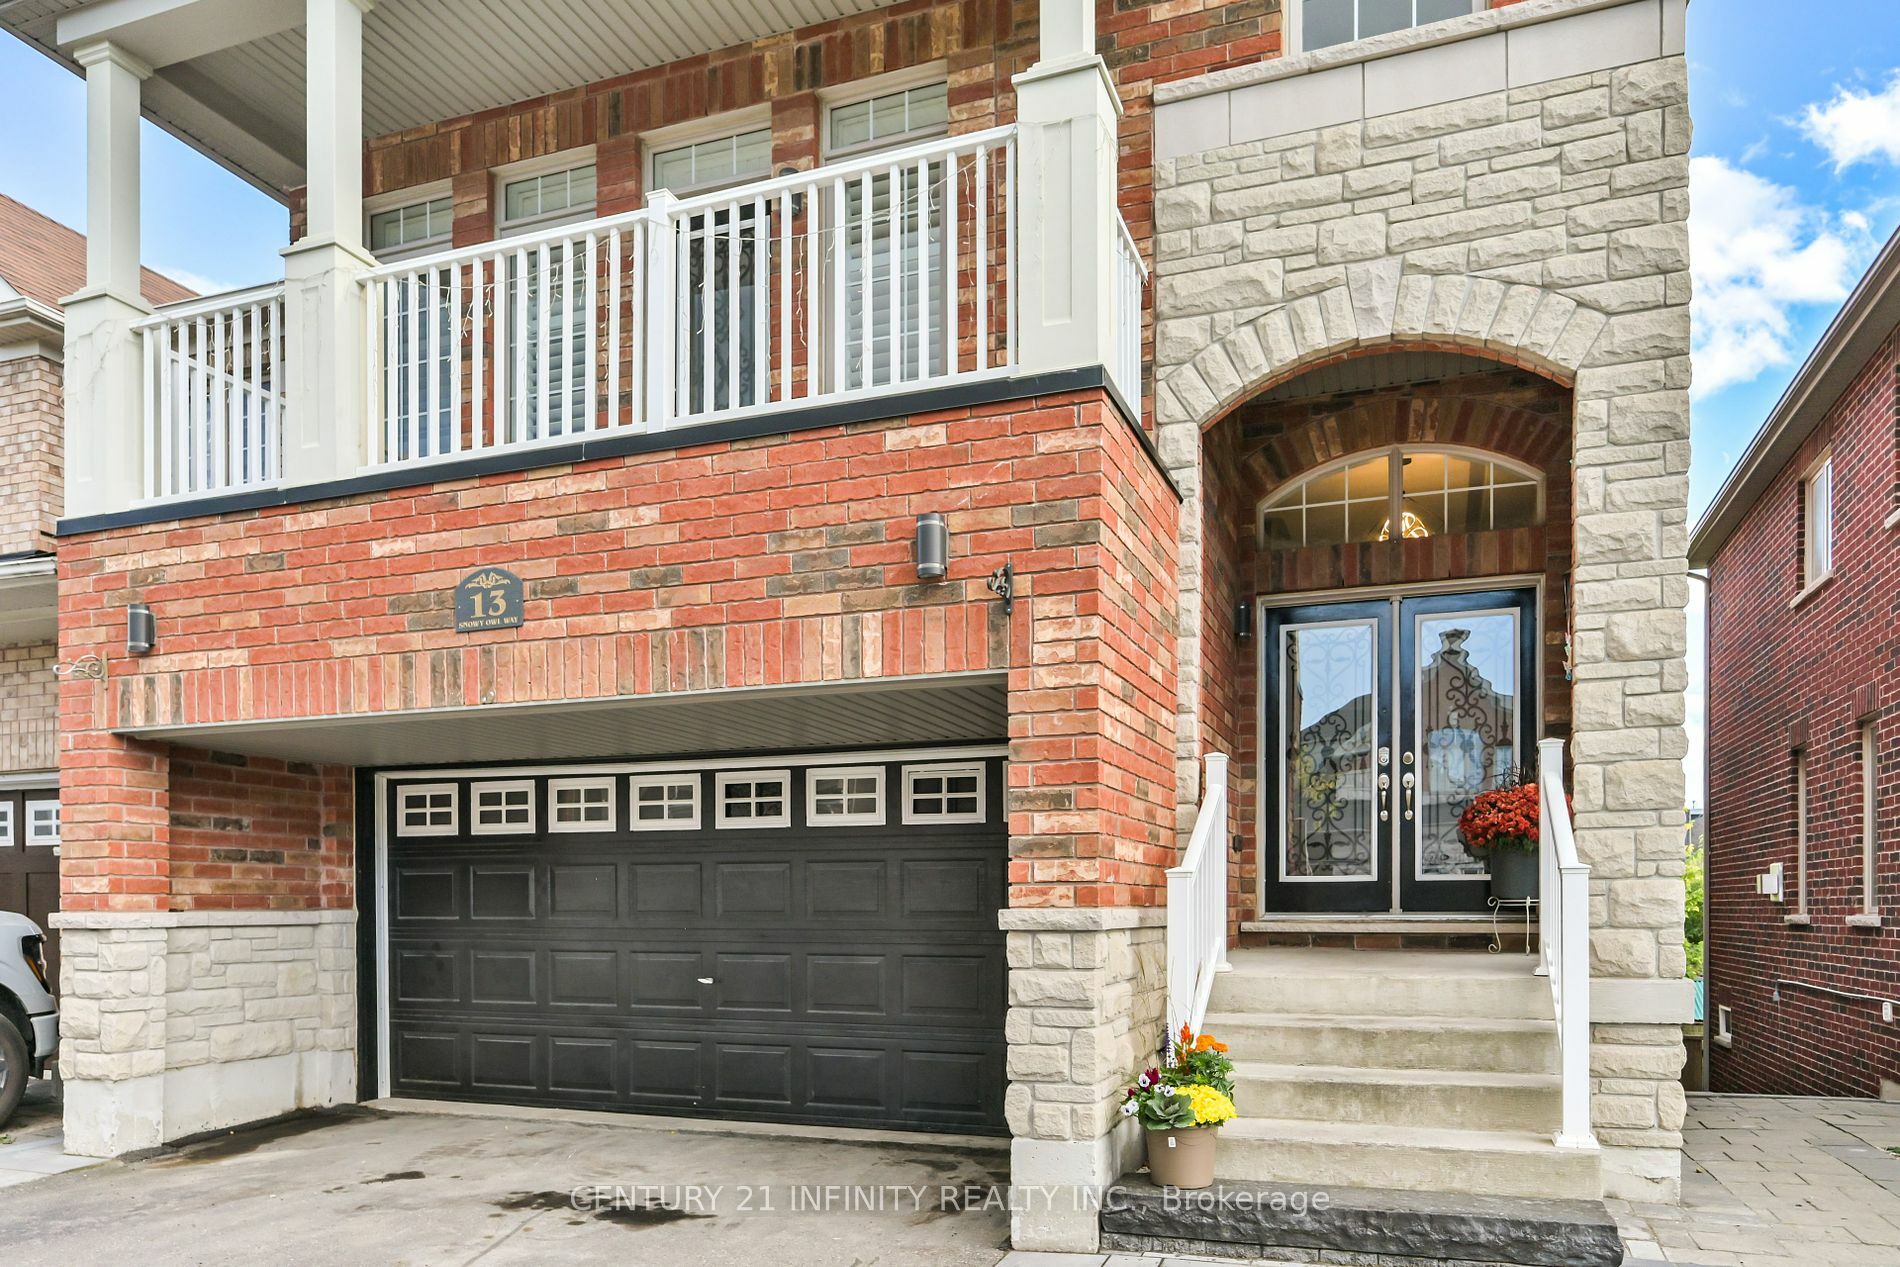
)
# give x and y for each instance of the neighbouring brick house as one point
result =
(1804, 723)
(563, 688)
(41, 262)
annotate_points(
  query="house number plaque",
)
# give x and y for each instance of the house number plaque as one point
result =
(488, 598)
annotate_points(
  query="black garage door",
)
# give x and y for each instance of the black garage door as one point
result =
(809, 941)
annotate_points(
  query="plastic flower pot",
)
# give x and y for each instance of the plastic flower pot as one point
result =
(1513, 875)
(1182, 1158)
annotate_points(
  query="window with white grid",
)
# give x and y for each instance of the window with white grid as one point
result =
(502, 809)
(943, 793)
(6, 824)
(42, 822)
(845, 795)
(581, 804)
(427, 809)
(755, 798)
(664, 802)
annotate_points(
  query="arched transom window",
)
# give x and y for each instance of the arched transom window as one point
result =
(1405, 491)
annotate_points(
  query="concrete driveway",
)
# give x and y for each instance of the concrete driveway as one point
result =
(425, 1188)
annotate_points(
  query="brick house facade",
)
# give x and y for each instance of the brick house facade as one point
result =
(1802, 693)
(328, 757)
(41, 262)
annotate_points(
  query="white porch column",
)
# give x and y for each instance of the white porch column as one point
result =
(1068, 111)
(105, 452)
(325, 370)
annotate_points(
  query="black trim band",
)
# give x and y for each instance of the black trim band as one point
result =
(924, 400)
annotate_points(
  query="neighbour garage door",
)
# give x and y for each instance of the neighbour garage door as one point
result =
(807, 941)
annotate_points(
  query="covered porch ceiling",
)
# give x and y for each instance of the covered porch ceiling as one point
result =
(909, 712)
(229, 74)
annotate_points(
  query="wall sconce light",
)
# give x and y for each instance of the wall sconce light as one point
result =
(1243, 621)
(141, 630)
(933, 546)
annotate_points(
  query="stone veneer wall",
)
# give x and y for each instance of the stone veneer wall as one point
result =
(1313, 210)
(1087, 992)
(176, 1023)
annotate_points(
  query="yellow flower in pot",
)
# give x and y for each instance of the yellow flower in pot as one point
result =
(1181, 1105)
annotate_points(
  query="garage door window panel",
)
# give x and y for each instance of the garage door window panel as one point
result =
(755, 798)
(845, 796)
(664, 802)
(426, 809)
(581, 805)
(502, 809)
(943, 794)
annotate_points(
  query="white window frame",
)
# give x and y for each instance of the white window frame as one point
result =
(583, 786)
(1295, 15)
(638, 781)
(946, 769)
(1800, 831)
(1817, 548)
(6, 824)
(727, 778)
(721, 127)
(861, 90)
(874, 818)
(34, 837)
(407, 790)
(1870, 816)
(506, 787)
(402, 199)
(559, 161)
(1395, 456)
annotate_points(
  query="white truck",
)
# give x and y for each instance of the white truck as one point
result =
(29, 1018)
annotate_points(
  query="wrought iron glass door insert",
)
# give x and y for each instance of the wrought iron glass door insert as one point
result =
(1384, 718)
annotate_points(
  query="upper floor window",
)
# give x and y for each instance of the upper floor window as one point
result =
(906, 114)
(1817, 522)
(1401, 492)
(408, 228)
(547, 197)
(1324, 23)
(699, 166)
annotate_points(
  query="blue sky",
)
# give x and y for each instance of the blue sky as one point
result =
(1796, 183)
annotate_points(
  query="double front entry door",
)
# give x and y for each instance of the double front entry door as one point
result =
(1383, 719)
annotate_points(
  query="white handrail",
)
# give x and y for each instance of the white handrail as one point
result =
(1131, 275)
(214, 393)
(1197, 906)
(882, 273)
(1564, 930)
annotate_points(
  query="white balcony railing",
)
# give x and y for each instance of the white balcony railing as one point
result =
(1564, 928)
(857, 279)
(214, 408)
(1197, 906)
(1131, 275)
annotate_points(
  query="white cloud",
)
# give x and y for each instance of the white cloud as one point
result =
(196, 282)
(1757, 252)
(1856, 127)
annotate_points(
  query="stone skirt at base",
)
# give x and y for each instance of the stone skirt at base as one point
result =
(176, 1023)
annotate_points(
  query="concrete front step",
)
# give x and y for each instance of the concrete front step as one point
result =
(1484, 1044)
(1374, 983)
(1319, 1154)
(1357, 1225)
(1426, 1098)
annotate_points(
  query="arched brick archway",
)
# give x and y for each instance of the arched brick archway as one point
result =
(1479, 407)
